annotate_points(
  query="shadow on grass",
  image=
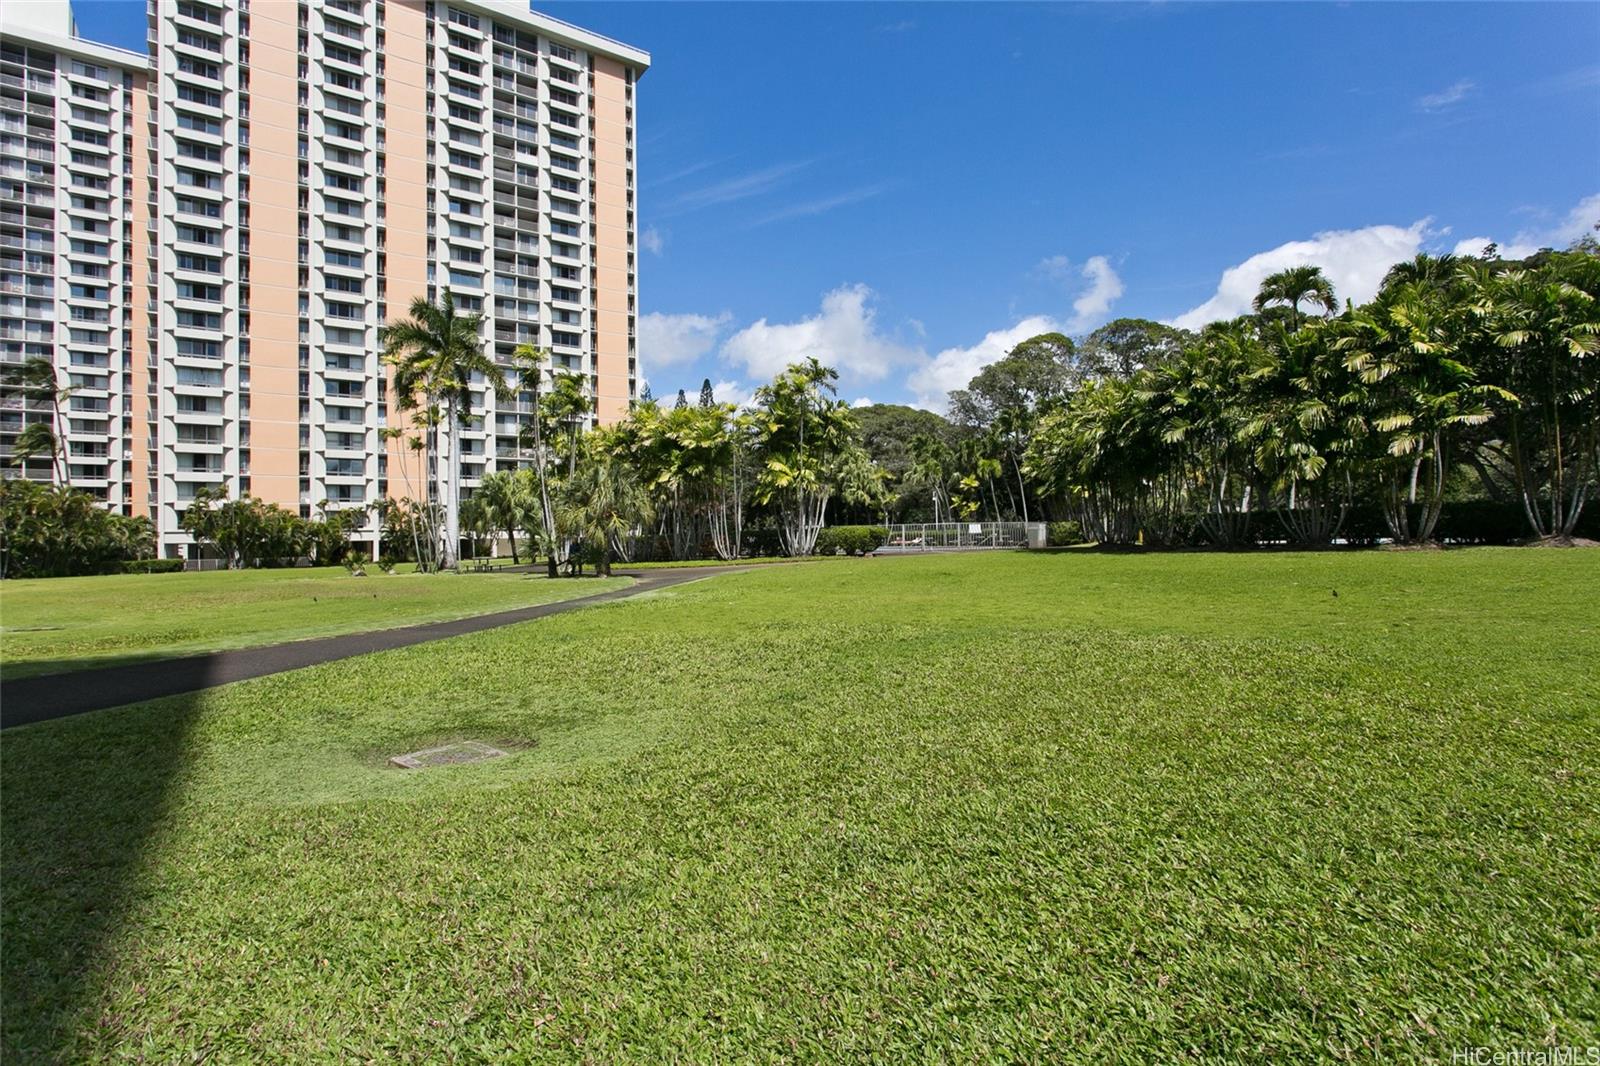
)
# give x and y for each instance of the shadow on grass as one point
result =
(81, 800)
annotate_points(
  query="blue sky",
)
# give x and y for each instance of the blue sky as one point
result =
(905, 190)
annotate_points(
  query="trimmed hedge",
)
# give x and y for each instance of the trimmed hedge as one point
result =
(152, 566)
(851, 540)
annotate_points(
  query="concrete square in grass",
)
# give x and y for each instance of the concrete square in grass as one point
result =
(449, 755)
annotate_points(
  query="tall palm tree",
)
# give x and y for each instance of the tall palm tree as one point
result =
(34, 378)
(530, 362)
(435, 351)
(1295, 286)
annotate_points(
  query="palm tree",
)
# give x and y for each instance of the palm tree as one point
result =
(34, 378)
(567, 405)
(602, 502)
(500, 495)
(1294, 286)
(529, 362)
(435, 352)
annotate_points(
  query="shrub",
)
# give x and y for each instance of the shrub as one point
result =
(1060, 534)
(851, 540)
(152, 566)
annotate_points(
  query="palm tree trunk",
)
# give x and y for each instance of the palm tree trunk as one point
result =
(452, 475)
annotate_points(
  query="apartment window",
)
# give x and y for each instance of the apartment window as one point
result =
(344, 105)
(463, 18)
(465, 207)
(194, 290)
(210, 153)
(340, 335)
(199, 405)
(462, 277)
(462, 184)
(564, 162)
(86, 292)
(346, 467)
(199, 13)
(344, 259)
(189, 375)
(561, 140)
(565, 184)
(343, 310)
(558, 293)
(83, 136)
(342, 181)
(341, 54)
(564, 96)
(465, 136)
(347, 442)
(203, 41)
(199, 320)
(466, 255)
(200, 264)
(198, 349)
(190, 434)
(199, 179)
(199, 68)
(199, 124)
(336, 231)
(198, 235)
(566, 228)
(342, 207)
(570, 251)
(343, 80)
(569, 206)
(466, 114)
(335, 283)
(571, 340)
(335, 128)
(188, 205)
(461, 159)
(561, 51)
(194, 94)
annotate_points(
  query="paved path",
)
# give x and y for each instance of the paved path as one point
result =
(39, 699)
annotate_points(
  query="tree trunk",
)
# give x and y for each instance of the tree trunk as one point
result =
(452, 503)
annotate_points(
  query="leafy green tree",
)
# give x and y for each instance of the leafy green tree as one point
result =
(435, 353)
(247, 532)
(1543, 325)
(603, 502)
(57, 531)
(1125, 346)
(1293, 287)
(804, 440)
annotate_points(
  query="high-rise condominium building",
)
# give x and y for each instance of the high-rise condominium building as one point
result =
(72, 226)
(293, 175)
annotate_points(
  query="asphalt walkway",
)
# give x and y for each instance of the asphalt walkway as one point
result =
(26, 700)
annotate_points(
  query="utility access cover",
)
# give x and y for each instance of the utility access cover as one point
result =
(449, 755)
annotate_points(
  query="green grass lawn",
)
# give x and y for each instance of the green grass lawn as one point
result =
(54, 624)
(1033, 807)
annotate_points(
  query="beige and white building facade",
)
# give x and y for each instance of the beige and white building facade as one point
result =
(294, 175)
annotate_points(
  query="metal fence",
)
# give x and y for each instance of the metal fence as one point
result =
(940, 536)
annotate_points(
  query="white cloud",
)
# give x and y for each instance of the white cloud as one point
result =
(954, 367)
(735, 392)
(652, 240)
(1093, 301)
(844, 335)
(1449, 96)
(755, 183)
(1579, 221)
(1354, 260)
(670, 340)
(1471, 246)
(1090, 308)
(818, 207)
(861, 401)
